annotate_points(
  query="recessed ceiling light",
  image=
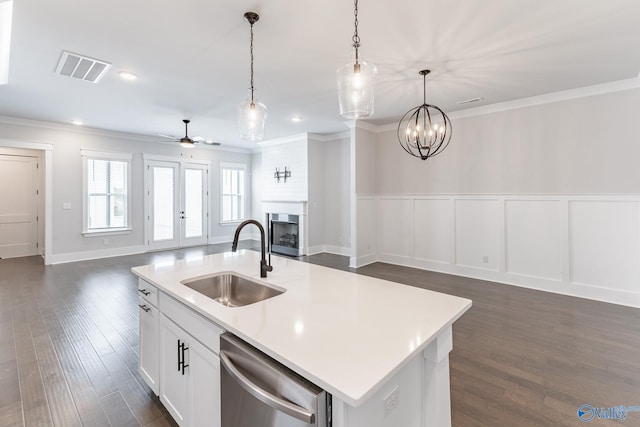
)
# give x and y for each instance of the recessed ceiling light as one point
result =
(128, 75)
(77, 122)
(296, 119)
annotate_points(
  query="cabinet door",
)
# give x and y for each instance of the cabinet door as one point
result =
(204, 386)
(149, 344)
(173, 383)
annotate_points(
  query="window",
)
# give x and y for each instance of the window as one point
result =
(232, 192)
(107, 191)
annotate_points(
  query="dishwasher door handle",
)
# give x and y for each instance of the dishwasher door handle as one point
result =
(264, 396)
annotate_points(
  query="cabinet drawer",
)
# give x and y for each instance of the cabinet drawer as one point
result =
(201, 328)
(148, 292)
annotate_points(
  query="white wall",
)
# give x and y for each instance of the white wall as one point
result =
(293, 155)
(337, 210)
(545, 196)
(67, 242)
(323, 161)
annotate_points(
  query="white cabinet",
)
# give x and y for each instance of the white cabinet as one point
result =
(149, 335)
(189, 365)
(190, 378)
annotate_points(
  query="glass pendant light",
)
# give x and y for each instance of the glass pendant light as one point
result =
(356, 81)
(251, 113)
(425, 130)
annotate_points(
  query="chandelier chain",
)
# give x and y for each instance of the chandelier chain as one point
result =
(251, 49)
(356, 37)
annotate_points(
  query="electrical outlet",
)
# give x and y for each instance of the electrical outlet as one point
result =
(390, 401)
(105, 242)
(485, 259)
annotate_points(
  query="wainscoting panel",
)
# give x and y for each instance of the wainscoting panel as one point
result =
(366, 232)
(395, 227)
(477, 229)
(585, 246)
(604, 244)
(434, 230)
(533, 239)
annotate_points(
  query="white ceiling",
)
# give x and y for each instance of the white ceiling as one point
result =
(192, 57)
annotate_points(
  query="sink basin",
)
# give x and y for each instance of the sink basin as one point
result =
(231, 289)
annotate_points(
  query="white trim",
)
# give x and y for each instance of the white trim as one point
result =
(357, 262)
(97, 254)
(10, 143)
(329, 136)
(548, 98)
(106, 155)
(175, 159)
(87, 155)
(245, 194)
(562, 283)
(284, 140)
(330, 249)
(47, 149)
(107, 232)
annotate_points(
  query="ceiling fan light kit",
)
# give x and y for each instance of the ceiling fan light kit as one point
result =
(356, 81)
(185, 141)
(252, 114)
(425, 130)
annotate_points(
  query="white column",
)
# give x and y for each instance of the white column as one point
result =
(437, 393)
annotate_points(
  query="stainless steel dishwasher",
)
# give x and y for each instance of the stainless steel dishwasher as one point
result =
(257, 391)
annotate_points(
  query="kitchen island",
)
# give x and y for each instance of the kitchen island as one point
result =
(381, 349)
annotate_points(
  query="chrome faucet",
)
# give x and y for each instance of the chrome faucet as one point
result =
(264, 266)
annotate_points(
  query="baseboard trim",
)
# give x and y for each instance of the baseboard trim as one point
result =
(331, 249)
(613, 296)
(90, 255)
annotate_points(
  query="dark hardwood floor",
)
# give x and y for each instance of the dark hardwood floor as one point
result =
(69, 347)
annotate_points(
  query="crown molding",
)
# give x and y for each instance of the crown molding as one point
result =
(84, 130)
(549, 98)
(284, 140)
(564, 95)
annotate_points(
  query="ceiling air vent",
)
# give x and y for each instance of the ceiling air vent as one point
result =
(82, 67)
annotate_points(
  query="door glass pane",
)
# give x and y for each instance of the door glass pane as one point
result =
(193, 202)
(163, 203)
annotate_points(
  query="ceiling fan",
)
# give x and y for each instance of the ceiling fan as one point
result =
(187, 142)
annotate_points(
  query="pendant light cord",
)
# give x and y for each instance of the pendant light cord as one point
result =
(251, 48)
(356, 37)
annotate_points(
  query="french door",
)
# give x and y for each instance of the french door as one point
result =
(177, 204)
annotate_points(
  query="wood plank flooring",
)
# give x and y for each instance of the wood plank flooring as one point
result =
(69, 347)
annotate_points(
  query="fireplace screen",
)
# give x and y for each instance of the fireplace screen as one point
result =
(284, 234)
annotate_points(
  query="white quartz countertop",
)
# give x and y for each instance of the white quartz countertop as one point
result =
(345, 332)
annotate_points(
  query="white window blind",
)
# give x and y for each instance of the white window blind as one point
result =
(107, 192)
(232, 203)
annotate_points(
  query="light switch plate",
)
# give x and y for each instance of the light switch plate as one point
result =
(66, 206)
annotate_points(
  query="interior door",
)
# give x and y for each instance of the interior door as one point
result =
(18, 206)
(177, 204)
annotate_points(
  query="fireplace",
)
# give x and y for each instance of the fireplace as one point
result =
(284, 234)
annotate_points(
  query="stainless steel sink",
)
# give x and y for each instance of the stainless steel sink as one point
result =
(231, 289)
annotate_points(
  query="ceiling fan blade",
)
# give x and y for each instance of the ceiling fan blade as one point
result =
(198, 138)
(167, 136)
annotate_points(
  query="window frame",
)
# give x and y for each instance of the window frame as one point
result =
(236, 167)
(107, 156)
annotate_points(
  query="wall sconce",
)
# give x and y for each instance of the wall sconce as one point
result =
(282, 175)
